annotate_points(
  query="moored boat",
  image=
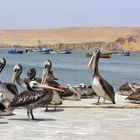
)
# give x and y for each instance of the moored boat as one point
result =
(15, 51)
(125, 53)
(44, 50)
(65, 52)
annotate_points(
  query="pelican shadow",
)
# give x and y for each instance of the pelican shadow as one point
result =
(8, 115)
(57, 110)
(3, 122)
(35, 120)
(101, 103)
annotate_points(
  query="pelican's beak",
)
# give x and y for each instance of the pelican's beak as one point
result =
(73, 90)
(49, 87)
(44, 75)
(91, 62)
(105, 56)
(62, 87)
(14, 77)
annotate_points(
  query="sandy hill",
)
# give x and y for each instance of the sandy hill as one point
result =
(120, 37)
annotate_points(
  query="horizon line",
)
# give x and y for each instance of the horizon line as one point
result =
(68, 27)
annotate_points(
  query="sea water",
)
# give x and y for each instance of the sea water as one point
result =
(72, 68)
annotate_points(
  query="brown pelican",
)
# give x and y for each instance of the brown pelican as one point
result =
(126, 89)
(135, 96)
(31, 73)
(101, 87)
(71, 93)
(50, 80)
(8, 89)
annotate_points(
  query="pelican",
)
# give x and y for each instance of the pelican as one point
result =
(50, 80)
(135, 96)
(8, 89)
(101, 87)
(71, 93)
(31, 75)
(126, 89)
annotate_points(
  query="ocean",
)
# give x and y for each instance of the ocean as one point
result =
(72, 68)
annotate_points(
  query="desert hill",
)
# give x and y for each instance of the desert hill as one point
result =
(86, 38)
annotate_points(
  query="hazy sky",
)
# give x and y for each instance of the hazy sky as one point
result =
(65, 13)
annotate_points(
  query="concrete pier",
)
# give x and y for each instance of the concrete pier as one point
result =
(75, 123)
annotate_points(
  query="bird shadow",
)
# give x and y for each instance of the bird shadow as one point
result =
(134, 103)
(3, 122)
(9, 114)
(35, 120)
(101, 103)
(54, 111)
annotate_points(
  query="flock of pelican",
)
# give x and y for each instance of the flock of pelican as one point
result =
(45, 90)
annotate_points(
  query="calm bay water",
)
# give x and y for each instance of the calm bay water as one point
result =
(72, 68)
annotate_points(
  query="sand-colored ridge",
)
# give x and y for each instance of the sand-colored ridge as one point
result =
(73, 35)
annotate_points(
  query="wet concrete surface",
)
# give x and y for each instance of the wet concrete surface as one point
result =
(72, 124)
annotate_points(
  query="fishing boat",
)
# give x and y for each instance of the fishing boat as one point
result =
(65, 52)
(105, 55)
(14, 51)
(125, 53)
(44, 50)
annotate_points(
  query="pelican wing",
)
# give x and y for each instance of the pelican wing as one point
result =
(134, 96)
(54, 84)
(108, 89)
(27, 97)
(88, 91)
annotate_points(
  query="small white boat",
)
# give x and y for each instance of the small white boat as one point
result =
(65, 52)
